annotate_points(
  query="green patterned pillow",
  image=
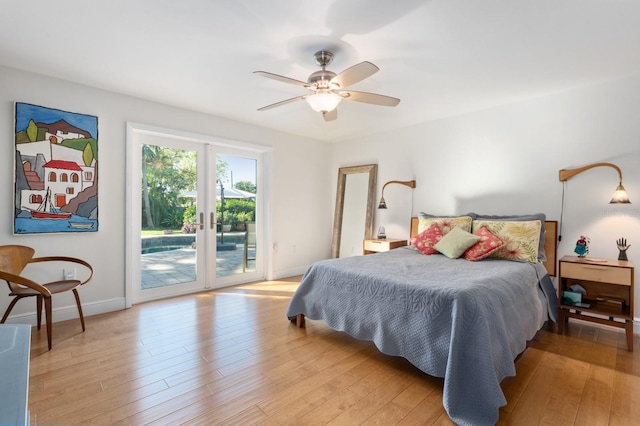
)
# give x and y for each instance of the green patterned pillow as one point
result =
(446, 224)
(521, 238)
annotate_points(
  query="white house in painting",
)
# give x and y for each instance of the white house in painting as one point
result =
(64, 178)
(60, 136)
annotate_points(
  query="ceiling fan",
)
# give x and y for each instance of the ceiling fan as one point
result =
(328, 88)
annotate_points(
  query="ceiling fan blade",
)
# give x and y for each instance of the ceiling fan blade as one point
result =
(369, 98)
(282, 78)
(277, 104)
(330, 115)
(354, 74)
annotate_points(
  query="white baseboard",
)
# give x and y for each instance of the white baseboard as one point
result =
(71, 312)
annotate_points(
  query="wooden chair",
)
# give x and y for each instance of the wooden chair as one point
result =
(249, 240)
(14, 259)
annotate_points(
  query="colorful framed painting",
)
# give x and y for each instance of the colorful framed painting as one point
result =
(56, 171)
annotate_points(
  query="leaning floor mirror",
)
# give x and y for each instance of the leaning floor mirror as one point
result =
(355, 206)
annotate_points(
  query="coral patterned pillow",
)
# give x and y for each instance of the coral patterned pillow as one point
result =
(483, 248)
(427, 239)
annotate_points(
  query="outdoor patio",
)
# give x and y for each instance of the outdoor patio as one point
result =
(177, 266)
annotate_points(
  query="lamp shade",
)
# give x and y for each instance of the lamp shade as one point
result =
(620, 196)
(323, 101)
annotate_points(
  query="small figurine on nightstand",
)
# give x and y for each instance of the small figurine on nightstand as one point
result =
(582, 246)
(622, 246)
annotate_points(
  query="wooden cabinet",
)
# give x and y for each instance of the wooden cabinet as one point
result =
(377, 246)
(609, 297)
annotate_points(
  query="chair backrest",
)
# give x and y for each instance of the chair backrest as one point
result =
(14, 258)
(251, 232)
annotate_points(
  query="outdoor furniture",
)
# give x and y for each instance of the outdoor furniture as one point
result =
(249, 240)
(13, 261)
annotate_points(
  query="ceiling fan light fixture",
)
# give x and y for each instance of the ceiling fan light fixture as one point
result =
(323, 102)
(328, 88)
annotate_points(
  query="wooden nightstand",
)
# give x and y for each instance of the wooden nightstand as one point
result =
(377, 246)
(610, 292)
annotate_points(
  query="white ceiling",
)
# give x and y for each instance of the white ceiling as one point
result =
(440, 57)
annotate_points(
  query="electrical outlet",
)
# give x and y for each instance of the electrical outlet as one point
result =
(69, 274)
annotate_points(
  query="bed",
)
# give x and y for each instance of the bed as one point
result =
(465, 321)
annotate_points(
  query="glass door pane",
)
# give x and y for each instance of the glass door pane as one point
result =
(236, 213)
(168, 196)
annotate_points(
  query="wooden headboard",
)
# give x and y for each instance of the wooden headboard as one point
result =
(550, 239)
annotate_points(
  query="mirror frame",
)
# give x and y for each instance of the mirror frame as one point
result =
(343, 172)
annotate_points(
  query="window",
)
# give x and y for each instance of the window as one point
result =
(52, 177)
(70, 190)
(64, 177)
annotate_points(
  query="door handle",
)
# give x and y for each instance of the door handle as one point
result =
(211, 222)
(201, 221)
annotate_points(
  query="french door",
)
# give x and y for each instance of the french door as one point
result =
(190, 225)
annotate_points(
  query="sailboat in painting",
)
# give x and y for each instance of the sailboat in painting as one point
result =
(46, 210)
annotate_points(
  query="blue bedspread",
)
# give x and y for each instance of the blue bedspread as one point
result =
(452, 318)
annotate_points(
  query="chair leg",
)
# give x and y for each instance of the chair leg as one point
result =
(8, 311)
(39, 310)
(75, 293)
(47, 309)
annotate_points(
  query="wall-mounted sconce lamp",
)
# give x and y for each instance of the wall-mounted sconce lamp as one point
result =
(409, 183)
(619, 196)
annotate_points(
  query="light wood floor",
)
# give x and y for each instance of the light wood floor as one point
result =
(231, 357)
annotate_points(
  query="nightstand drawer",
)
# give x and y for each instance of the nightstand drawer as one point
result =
(599, 273)
(378, 246)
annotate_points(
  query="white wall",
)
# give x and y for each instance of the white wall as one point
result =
(298, 175)
(506, 160)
